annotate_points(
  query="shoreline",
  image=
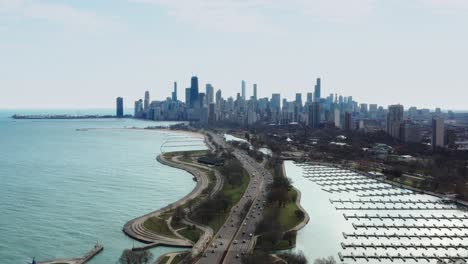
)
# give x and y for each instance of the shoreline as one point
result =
(306, 219)
(135, 229)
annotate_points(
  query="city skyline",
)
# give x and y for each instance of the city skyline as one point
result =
(79, 54)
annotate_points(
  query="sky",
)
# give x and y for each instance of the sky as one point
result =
(85, 53)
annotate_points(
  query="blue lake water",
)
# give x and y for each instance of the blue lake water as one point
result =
(61, 189)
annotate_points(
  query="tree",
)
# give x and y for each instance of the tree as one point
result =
(257, 257)
(290, 237)
(299, 214)
(297, 258)
(329, 260)
(135, 257)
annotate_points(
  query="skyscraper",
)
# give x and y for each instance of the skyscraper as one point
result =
(193, 91)
(174, 93)
(314, 115)
(310, 99)
(348, 121)
(147, 101)
(255, 91)
(119, 110)
(337, 116)
(394, 120)
(438, 131)
(138, 108)
(209, 94)
(201, 100)
(317, 91)
(188, 92)
(276, 102)
(299, 99)
(243, 90)
(218, 96)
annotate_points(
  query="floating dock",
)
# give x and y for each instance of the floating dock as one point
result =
(403, 258)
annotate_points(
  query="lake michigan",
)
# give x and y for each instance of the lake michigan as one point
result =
(67, 184)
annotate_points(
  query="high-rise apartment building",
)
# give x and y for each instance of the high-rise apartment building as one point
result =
(276, 102)
(174, 93)
(314, 115)
(119, 107)
(188, 93)
(394, 120)
(194, 91)
(317, 91)
(147, 101)
(255, 91)
(438, 131)
(209, 94)
(348, 121)
(243, 90)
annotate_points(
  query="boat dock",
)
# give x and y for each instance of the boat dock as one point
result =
(406, 217)
(385, 201)
(404, 246)
(408, 227)
(399, 236)
(428, 258)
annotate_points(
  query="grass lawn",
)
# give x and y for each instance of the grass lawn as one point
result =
(287, 216)
(159, 226)
(164, 260)
(233, 193)
(179, 257)
(191, 234)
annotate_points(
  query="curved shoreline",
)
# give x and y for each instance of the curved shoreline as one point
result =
(306, 219)
(135, 228)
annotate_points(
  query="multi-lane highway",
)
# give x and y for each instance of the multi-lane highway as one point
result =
(235, 237)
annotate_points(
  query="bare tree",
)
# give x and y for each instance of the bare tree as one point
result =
(135, 257)
(329, 260)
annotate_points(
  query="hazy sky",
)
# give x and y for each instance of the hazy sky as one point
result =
(85, 53)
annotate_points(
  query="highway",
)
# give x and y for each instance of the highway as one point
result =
(235, 237)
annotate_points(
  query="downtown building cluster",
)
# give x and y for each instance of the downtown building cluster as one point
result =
(333, 111)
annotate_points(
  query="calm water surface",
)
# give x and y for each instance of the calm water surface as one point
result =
(61, 190)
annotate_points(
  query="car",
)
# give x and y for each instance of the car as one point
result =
(212, 251)
(243, 241)
(237, 256)
(232, 225)
(235, 242)
(204, 255)
(219, 236)
(250, 235)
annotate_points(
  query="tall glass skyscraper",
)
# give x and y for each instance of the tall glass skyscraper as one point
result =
(193, 91)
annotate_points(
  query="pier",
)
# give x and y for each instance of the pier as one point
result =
(405, 246)
(407, 217)
(91, 254)
(409, 236)
(408, 227)
(357, 189)
(386, 208)
(403, 258)
(385, 201)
